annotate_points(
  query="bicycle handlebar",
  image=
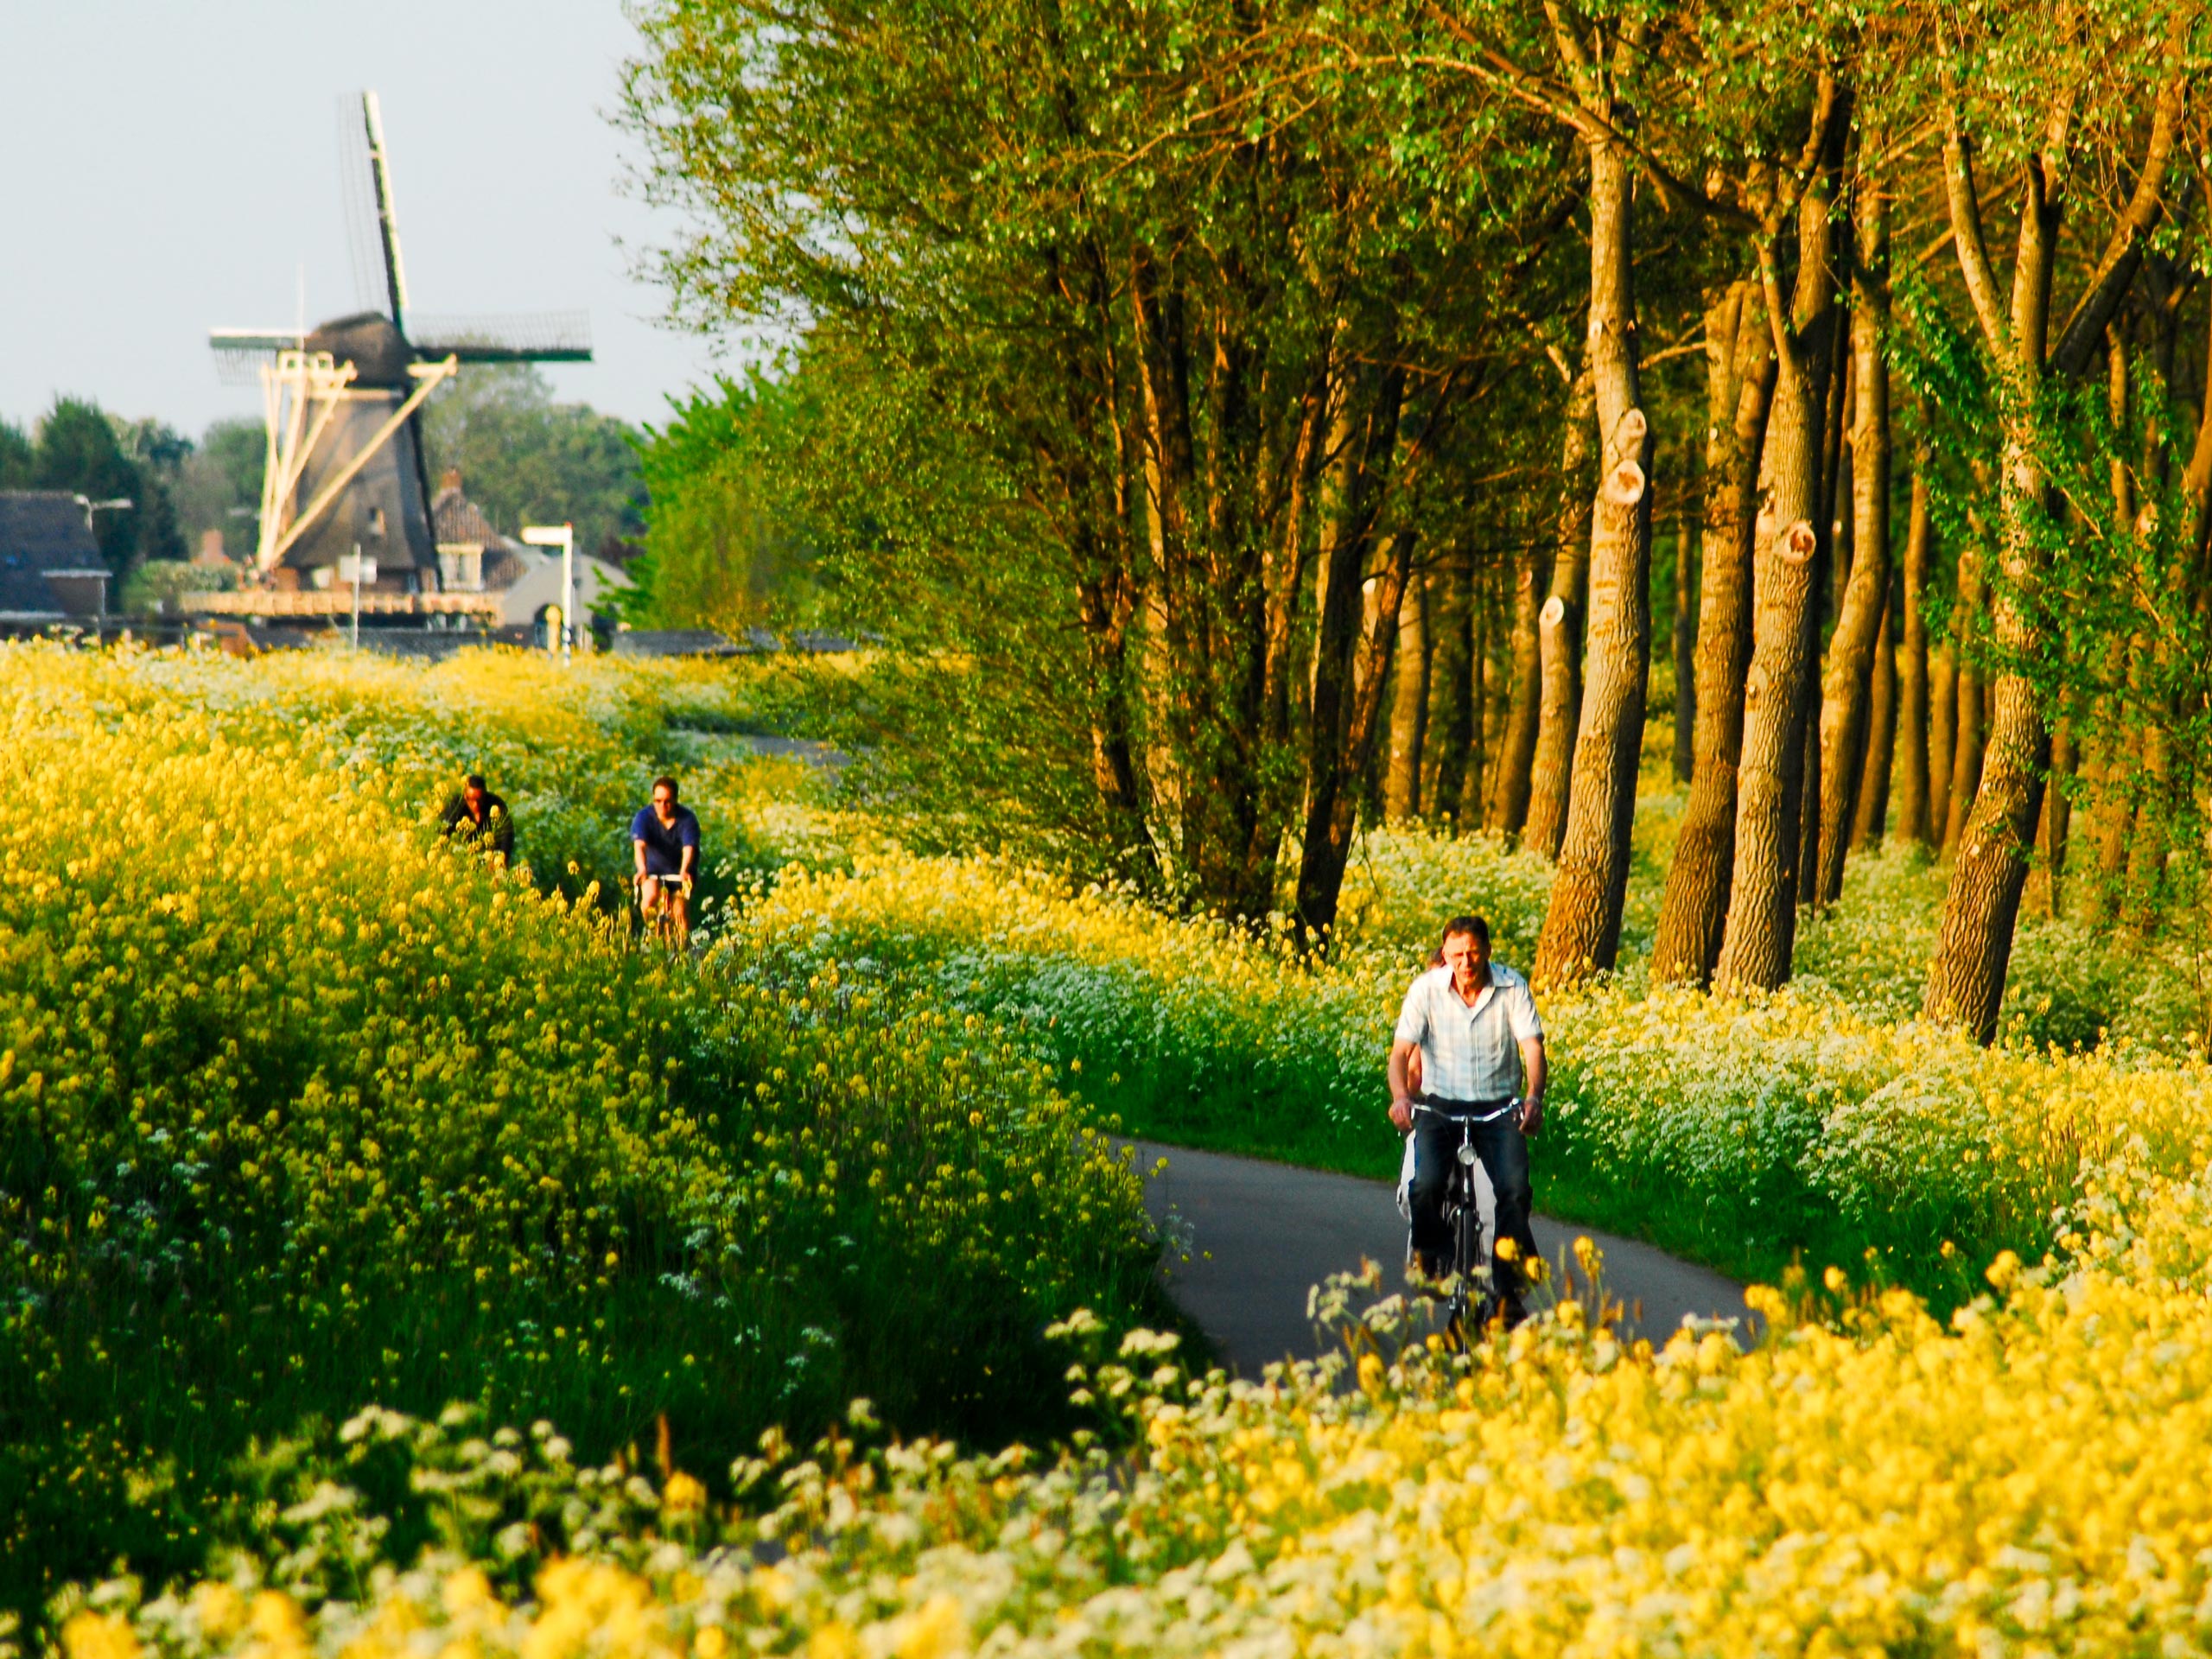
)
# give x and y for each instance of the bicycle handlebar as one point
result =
(1490, 1116)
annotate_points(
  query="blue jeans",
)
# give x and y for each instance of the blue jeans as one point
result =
(1504, 1153)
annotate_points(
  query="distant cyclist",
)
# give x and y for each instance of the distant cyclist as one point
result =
(1454, 1058)
(665, 836)
(476, 817)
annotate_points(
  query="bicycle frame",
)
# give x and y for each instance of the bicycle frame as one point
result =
(1463, 1214)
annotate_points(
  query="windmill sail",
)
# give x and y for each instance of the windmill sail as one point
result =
(242, 353)
(371, 216)
(511, 337)
(387, 214)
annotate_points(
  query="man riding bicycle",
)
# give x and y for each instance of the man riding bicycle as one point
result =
(478, 818)
(1461, 1025)
(665, 838)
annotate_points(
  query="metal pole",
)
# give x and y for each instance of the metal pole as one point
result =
(567, 591)
(357, 595)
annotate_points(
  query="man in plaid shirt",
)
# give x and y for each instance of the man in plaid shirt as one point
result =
(1468, 1044)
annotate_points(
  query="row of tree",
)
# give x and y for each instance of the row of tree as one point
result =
(1191, 375)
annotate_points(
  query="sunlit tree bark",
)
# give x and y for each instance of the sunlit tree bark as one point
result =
(1582, 923)
(1761, 931)
(1966, 980)
(1845, 709)
(1739, 379)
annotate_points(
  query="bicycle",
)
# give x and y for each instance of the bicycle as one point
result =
(1462, 1214)
(660, 919)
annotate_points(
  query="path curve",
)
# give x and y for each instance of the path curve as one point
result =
(1261, 1234)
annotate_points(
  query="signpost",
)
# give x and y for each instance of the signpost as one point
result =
(352, 568)
(564, 537)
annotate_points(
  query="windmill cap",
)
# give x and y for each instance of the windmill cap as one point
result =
(371, 342)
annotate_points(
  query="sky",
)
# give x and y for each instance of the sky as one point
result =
(171, 165)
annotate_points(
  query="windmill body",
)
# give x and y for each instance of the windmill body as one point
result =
(344, 466)
(344, 469)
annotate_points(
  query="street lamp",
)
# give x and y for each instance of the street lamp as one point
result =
(564, 537)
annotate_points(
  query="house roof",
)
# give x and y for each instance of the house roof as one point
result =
(42, 533)
(458, 522)
(675, 642)
(504, 564)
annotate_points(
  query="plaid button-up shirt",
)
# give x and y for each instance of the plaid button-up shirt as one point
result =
(1470, 1051)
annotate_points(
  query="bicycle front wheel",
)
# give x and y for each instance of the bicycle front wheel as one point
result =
(1466, 1242)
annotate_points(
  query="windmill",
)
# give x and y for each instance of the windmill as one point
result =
(342, 402)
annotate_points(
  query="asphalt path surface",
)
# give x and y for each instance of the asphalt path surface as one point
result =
(1261, 1235)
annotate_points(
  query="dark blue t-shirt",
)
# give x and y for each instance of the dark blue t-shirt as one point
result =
(665, 844)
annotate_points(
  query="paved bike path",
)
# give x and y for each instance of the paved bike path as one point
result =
(1261, 1234)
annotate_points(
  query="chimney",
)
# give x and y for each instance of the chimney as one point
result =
(449, 480)
(211, 549)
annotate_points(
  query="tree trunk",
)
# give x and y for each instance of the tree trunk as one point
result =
(1974, 947)
(1870, 818)
(1467, 809)
(1830, 563)
(2109, 764)
(1582, 924)
(1969, 743)
(1504, 619)
(1409, 672)
(1444, 767)
(1740, 376)
(1761, 931)
(1507, 806)
(1559, 636)
(1806, 810)
(1967, 737)
(1847, 695)
(1942, 738)
(2046, 892)
(2110, 819)
(2143, 898)
(1108, 606)
(1683, 643)
(1335, 756)
(1913, 754)
(1756, 946)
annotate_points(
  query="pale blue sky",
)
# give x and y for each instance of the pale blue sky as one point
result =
(167, 165)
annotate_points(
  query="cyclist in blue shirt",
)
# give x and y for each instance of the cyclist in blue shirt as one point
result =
(665, 838)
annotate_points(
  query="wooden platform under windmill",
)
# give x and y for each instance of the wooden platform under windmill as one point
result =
(336, 604)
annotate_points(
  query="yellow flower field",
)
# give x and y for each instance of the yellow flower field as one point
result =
(300, 1108)
(2030, 1478)
(302, 1113)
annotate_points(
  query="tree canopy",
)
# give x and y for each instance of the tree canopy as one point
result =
(79, 450)
(1188, 385)
(525, 459)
